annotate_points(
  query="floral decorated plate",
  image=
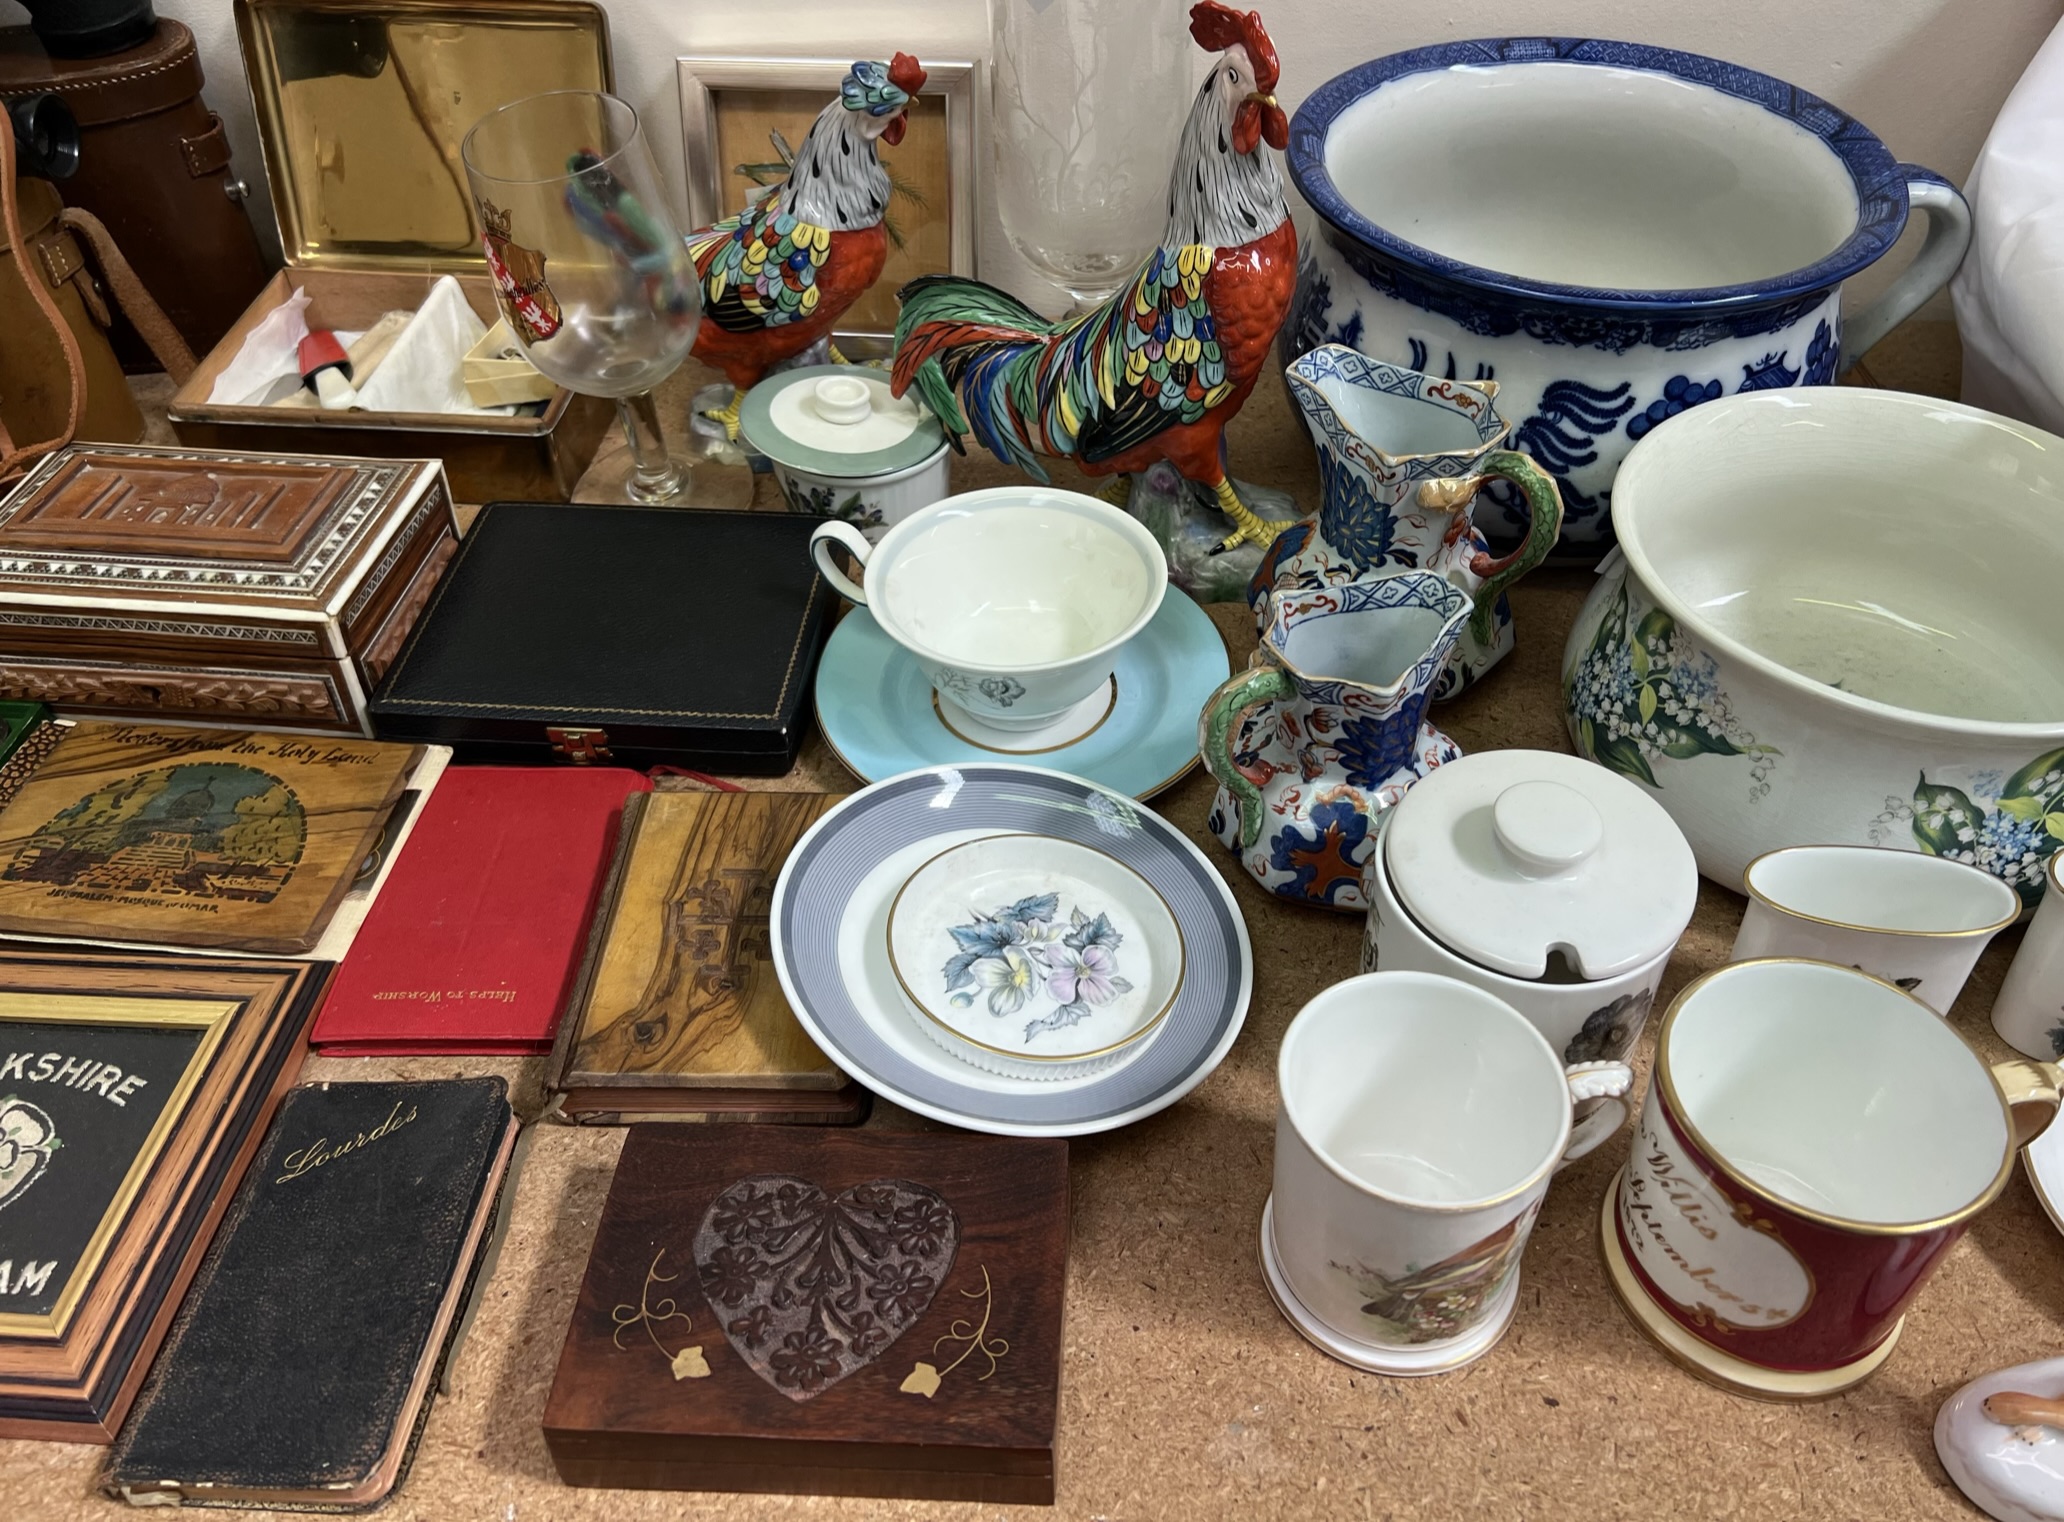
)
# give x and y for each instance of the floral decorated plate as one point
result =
(1137, 733)
(830, 931)
(1035, 957)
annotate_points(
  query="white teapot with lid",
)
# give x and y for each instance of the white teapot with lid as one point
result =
(1542, 878)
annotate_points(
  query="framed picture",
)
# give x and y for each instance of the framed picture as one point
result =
(742, 117)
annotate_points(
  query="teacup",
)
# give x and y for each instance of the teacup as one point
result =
(1914, 920)
(1813, 1143)
(1015, 601)
(1419, 1122)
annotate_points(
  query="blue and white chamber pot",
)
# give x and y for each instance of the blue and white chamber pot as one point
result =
(1613, 233)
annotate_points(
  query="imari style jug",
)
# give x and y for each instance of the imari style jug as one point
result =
(1327, 729)
(1401, 458)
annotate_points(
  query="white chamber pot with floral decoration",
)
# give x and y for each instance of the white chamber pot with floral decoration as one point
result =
(1833, 618)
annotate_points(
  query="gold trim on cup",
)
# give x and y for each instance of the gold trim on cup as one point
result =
(1110, 707)
(1726, 1371)
(1182, 955)
(1749, 887)
(1716, 1159)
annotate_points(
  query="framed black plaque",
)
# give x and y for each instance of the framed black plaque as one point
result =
(91, 1088)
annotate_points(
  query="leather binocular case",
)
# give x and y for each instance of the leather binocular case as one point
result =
(154, 167)
(59, 379)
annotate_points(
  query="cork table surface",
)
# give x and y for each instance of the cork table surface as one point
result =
(1184, 1393)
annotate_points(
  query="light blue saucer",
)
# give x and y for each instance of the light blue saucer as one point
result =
(879, 715)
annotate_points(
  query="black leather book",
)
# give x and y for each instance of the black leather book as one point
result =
(635, 635)
(301, 1367)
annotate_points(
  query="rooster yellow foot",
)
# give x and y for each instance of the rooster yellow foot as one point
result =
(728, 416)
(1119, 492)
(836, 357)
(1247, 525)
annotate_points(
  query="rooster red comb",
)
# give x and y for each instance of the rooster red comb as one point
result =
(906, 74)
(1218, 27)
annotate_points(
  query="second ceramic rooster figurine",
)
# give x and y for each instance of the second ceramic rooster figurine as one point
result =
(779, 275)
(1159, 369)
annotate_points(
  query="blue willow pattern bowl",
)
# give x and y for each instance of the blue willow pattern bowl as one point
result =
(1613, 233)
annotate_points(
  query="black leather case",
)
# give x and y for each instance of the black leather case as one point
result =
(633, 635)
(290, 1365)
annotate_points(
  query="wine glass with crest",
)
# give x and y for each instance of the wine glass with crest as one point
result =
(588, 261)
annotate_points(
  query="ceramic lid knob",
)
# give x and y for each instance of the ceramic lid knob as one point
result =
(1511, 857)
(843, 399)
(1545, 827)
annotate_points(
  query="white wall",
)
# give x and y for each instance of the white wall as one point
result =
(1926, 75)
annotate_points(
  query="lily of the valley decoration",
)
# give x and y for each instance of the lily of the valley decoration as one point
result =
(2007, 825)
(1646, 694)
(688, 1363)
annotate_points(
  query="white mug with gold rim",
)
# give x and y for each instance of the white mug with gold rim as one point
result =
(1917, 921)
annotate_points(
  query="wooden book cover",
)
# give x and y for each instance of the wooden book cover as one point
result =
(678, 1007)
(132, 1092)
(812, 1312)
(193, 837)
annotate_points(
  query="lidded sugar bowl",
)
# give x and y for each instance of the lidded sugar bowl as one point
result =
(1544, 879)
(841, 445)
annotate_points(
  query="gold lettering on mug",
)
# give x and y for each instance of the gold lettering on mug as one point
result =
(1723, 1267)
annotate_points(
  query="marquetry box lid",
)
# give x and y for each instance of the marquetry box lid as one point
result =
(811, 1312)
(260, 588)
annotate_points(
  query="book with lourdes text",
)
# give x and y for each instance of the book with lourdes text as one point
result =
(300, 1370)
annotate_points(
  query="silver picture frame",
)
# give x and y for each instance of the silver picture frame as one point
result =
(704, 77)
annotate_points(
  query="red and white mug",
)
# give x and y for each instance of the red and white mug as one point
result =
(1813, 1142)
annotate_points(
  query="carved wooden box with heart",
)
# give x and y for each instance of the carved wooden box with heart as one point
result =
(196, 584)
(820, 1313)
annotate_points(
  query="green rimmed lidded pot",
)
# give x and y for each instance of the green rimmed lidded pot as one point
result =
(843, 447)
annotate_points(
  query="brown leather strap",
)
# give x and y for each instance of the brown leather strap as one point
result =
(15, 459)
(144, 314)
(206, 152)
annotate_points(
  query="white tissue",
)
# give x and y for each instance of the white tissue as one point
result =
(268, 353)
(425, 370)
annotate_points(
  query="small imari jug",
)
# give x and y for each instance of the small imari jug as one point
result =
(1401, 458)
(1327, 729)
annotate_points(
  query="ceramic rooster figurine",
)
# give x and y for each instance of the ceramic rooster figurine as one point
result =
(776, 277)
(1160, 369)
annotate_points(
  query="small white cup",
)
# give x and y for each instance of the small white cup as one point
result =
(1419, 1122)
(2029, 1012)
(1919, 922)
(1015, 600)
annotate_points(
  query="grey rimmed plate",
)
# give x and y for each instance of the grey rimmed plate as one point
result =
(830, 918)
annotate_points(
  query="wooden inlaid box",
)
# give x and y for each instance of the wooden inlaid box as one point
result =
(789, 1310)
(269, 590)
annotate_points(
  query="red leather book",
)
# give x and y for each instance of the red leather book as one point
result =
(473, 943)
